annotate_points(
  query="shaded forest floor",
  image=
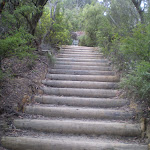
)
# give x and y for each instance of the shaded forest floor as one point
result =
(18, 88)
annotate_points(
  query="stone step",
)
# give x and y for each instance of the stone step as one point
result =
(80, 127)
(94, 93)
(78, 112)
(79, 49)
(65, 143)
(81, 102)
(79, 56)
(81, 63)
(79, 67)
(58, 143)
(83, 77)
(81, 72)
(81, 60)
(80, 53)
(80, 84)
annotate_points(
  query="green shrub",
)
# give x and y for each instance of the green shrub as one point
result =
(17, 44)
(82, 40)
(137, 46)
(55, 31)
(1, 75)
(137, 83)
(51, 58)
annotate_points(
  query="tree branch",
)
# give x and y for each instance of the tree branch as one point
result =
(137, 5)
(2, 4)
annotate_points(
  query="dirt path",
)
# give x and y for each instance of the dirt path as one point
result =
(78, 110)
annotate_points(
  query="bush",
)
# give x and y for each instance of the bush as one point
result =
(16, 44)
(1, 75)
(53, 32)
(137, 83)
(137, 46)
(131, 54)
(82, 40)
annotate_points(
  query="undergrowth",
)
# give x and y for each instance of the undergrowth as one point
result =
(137, 82)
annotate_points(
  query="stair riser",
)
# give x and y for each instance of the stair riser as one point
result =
(81, 102)
(26, 143)
(75, 67)
(82, 60)
(78, 113)
(80, 84)
(80, 72)
(81, 63)
(82, 93)
(79, 53)
(82, 78)
(81, 56)
(78, 50)
(72, 127)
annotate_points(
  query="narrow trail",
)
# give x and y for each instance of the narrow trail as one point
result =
(79, 109)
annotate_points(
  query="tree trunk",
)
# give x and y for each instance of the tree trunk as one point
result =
(34, 21)
(0, 62)
(52, 8)
(140, 11)
(35, 18)
(2, 4)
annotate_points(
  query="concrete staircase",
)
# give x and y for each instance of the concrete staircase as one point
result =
(79, 109)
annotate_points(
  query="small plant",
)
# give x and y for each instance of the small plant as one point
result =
(16, 44)
(136, 47)
(83, 40)
(137, 83)
(1, 75)
(50, 58)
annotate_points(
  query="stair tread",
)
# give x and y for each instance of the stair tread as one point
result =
(83, 77)
(79, 112)
(79, 67)
(81, 72)
(80, 127)
(81, 101)
(67, 144)
(80, 84)
(101, 93)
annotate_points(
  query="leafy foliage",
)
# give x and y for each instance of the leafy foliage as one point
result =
(136, 47)
(137, 83)
(56, 31)
(92, 19)
(1, 76)
(16, 44)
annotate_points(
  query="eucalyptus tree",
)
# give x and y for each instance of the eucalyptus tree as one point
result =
(52, 6)
(94, 18)
(27, 12)
(140, 6)
(70, 4)
(18, 22)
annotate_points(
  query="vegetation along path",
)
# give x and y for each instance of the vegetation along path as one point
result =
(79, 109)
